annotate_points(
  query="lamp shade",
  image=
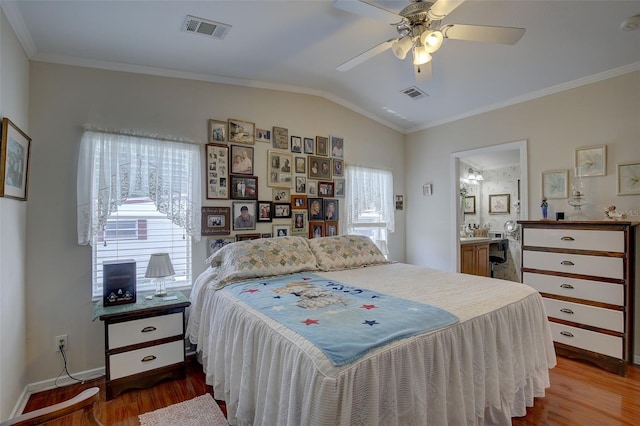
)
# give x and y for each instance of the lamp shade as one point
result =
(401, 47)
(431, 40)
(159, 266)
(420, 55)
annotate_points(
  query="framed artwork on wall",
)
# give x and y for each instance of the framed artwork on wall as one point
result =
(241, 160)
(337, 146)
(299, 201)
(316, 229)
(215, 244)
(217, 131)
(555, 184)
(244, 187)
(280, 138)
(299, 223)
(318, 167)
(296, 144)
(339, 187)
(628, 177)
(215, 221)
(281, 230)
(244, 215)
(322, 146)
(301, 184)
(338, 167)
(241, 131)
(279, 169)
(499, 204)
(15, 152)
(263, 135)
(330, 229)
(470, 204)
(217, 171)
(315, 208)
(265, 211)
(247, 237)
(330, 209)
(281, 210)
(591, 161)
(309, 146)
(325, 189)
(281, 195)
(301, 164)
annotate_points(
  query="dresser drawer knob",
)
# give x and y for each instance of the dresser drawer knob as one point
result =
(567, 263)
(566, 311)
(567, 286)
(148, 329)
(148, 358)
(567, 239)
(566, 333)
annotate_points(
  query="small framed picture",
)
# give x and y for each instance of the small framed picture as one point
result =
(281, 210)
(217, 172)
(339, 187)
(399, 200)
(312, 188)
(296, 144)
(280, 138)
(318, 167)
(279, 169)
(281, 195)
(301, 184)
(15, 152)
(244, 215)
(330, 229)
(241, 131)
(299, 222)
(263, 135)
(338, 167)
(330, 211)
(281, 230)
(215, 221)
(337, 146)
(265, 210)
(217, 131)
(555, 184)
(470, 204)
(499, 204)
(315, 208)
(266, 235)
(316, 229)
(241, 160)
(215, 244)
(591, 161)
(247, 237)
(299, 201)
(244, 187)
(301, 164)
(628, 176)
(325, 189)
(322, 146)
(309, 146)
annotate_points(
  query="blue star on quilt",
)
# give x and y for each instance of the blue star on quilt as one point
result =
(371, 322)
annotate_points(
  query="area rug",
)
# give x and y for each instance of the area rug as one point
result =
(199, 411)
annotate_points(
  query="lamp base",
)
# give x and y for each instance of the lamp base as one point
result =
(161, 290)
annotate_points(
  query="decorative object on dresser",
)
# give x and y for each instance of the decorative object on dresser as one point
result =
(144, 342)
(585, 272)
(159, 268)
(15, 150)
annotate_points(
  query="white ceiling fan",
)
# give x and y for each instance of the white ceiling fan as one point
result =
(421, 32)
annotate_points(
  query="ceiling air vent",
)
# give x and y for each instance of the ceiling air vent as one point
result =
(205, 27)
(414, 93)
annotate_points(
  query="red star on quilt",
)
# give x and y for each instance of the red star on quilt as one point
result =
(367, 307)
(253, 290)
(310, 321)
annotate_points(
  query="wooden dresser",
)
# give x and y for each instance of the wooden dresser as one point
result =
(585, 272)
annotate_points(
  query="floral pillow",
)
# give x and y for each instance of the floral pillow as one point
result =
(262, 257)
(345, 251)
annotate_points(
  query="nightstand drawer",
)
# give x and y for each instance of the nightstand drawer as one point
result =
(586, 339)
(144, 330)
(579, 239)
(145, 359)
(599, 266)
(595, 291)
(585, 314)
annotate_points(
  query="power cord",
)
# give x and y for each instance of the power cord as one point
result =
(64, 368)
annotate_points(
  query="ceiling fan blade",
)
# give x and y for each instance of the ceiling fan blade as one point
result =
(422, 72)
(362, 8)
(485, 33)
(366, 55)
(442, 8)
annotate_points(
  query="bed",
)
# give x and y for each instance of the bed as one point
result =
(485, 367)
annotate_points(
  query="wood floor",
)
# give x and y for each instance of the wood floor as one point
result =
(580, 394)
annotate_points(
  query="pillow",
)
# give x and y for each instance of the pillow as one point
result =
(345, 251)
(262, 257)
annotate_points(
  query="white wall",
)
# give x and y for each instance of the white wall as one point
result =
(14, 95)
(63, 98)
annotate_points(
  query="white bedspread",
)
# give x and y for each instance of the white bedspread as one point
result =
(484, 370)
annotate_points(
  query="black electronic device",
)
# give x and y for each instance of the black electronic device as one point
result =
(119, 282)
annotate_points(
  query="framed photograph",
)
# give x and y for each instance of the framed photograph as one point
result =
(296, 144)
(217, 131)
(244, 187)
(299, 201)
(281, 195)
(339, 187)
(312, 188)
(628, 178)
(281, 230)
(266, 235)
(470, 204)
(555, 184)
(316, 229)
(337, 147)
(263, 135)
(217, 172)
(301, 164)
(301, 184)
(279, 169)
(280, 138)
(265, 211)
(322, 146)
(215, 244)
(281, 210)
(309, 146)
(315, 208)
(399, 200)
(330, 209)
(591, 161)
(499, 204)
(299, 223)
(325, 189)
(244, 215)
(241, 131)
(15, 151)
(330, 229)
(241, 160)
(215, 221)
(338, 167)
(246, 237)
(318, 167)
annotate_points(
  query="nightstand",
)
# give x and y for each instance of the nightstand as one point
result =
(144, 341)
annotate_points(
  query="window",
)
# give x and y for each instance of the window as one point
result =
(138, 196)
(370, 206)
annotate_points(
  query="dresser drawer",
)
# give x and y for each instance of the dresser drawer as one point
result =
(145, 359)
(594, 316)
(595, 291)
(599, 266)
(578, 239)
(586, 339)
(145, 330)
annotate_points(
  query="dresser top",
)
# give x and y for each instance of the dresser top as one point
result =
(578, 223)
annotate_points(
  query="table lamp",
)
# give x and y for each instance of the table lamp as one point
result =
(159, 268)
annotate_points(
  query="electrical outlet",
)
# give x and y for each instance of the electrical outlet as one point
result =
(61, 341)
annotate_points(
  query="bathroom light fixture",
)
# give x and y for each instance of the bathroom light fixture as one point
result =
(474, 175)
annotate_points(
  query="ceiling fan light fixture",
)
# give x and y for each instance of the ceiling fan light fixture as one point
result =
(431, 40)
(401, 47)
(420, 55)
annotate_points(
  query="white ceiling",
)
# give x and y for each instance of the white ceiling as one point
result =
(296, 45)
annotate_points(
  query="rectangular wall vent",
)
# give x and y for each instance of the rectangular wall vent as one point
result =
(414, 93)
(205, 27)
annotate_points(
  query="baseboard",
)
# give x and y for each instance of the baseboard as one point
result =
(636, 359)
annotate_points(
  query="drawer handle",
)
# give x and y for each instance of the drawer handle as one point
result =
(567, 239)
(566, 333)
(148, 329)
(568, 286)
(566, 311)
(567, 263)
(148, 358)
